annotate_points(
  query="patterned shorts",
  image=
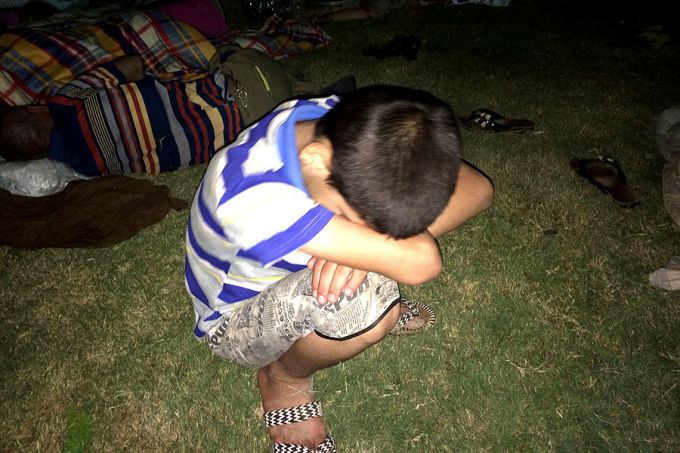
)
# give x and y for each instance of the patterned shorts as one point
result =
(263, 327)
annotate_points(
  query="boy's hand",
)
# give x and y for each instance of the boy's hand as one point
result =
(331, 280)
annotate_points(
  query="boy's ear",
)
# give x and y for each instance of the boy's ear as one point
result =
(317, 155)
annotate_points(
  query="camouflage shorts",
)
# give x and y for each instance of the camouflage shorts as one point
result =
(263, 327)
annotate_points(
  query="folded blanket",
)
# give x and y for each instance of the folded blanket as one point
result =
(37, 62)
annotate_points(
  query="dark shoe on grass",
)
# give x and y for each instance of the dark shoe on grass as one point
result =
(486, 120)
(607, 175)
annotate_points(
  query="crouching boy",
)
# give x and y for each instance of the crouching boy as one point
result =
(301, 229)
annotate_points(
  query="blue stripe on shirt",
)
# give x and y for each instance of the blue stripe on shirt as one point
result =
(192, 284)
(290, 267)
(286, 137)
(281, 264)
(293, 238)
(215, 315)
(233, 293)
(232, 174)
(201, 252)
(246, 183)
(207, 216)
(290, 170)
(200, 333)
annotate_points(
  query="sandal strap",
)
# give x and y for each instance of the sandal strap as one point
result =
(415, 309)
(327, 446)
(409, 315)
(620, 174)
(295, 414)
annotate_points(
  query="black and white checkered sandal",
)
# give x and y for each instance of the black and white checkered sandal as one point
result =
(293, 415)
(414, 310)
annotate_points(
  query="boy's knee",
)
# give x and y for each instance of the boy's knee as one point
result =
(480, 190)
(487, 192)
(368, 313)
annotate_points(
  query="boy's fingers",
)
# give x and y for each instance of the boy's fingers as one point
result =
(331, 280)
(339, 281)
(354, 281)
(317, 267)
(326, 275)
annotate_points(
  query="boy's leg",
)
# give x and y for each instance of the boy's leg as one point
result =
(287, 382)
(276, 332)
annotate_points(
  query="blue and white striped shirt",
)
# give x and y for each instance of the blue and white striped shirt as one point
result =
(251, 214)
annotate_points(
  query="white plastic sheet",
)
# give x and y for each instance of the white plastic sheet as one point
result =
(36, 178)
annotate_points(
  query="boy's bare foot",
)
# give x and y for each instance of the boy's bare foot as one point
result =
(279, 391)
(413, 323)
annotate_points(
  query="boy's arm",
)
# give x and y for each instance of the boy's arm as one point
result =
(412, 261)
(473, 195)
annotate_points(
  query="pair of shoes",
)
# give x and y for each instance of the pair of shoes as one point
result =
(399, 46)
(486, 120)
(417, 317)
(607, 175)
(297, 414)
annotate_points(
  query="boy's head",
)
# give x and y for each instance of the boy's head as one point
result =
(396, 155)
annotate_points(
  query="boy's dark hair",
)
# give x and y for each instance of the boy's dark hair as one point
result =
(396, 155)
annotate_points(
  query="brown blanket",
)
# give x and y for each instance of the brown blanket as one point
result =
(92, 213)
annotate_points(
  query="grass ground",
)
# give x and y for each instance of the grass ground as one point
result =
(545, 342)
